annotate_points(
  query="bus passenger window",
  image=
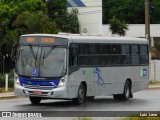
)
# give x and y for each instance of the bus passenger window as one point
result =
(73, 57)
(84, 55)
(116, 55)
(126, 59)
(144, 55)
(135, 55)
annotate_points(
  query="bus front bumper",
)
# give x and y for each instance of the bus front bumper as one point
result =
(54, 93)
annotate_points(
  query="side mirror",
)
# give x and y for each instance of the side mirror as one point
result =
(13, 52)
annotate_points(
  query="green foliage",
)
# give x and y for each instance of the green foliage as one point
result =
(157, 45)
(2, 80)
(83, 118)
(36, 22)
(56, 8)
(33, 16)
(156, 51)
(154, 82)
(10, 79)
(9, 10)
(68, 23)
(118, 27)
(131, 11)
(140, 118)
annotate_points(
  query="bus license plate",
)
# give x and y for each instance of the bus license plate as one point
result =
(37, 92)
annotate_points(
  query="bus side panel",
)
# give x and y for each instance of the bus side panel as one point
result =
(137, 74)
(107, 80)
(140, 79)
(102, 76)
(83, 75)
(73, 84)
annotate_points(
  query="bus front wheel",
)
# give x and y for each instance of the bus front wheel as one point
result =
(35, 100)
(81, 95)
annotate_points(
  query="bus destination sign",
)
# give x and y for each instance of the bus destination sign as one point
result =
(43, 40)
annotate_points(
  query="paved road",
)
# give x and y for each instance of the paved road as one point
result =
(147, 100)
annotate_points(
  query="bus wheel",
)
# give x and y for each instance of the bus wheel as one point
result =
(126, 93)
(35, 100)
(81, 96)
(90, 98)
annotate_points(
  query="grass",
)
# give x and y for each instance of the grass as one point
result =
(154, 82)
(2, 90)
(140, 118)
(126, 118)
(83, 118)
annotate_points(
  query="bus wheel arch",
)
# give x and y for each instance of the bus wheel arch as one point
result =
(81, 95)
(130, 81)
(127, 90)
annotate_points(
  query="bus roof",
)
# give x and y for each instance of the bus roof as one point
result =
(80, 38)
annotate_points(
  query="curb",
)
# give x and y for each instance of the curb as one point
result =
(154, 87)
(11, 97)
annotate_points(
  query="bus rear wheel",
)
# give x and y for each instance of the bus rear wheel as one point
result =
(126, 93)
(35, 100)
(81, 96)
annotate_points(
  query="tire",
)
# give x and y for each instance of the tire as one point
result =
(126, 93)
(81, 95)
(90, 98)
(35, 100)
(117, 97)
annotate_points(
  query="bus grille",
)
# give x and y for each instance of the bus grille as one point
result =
(38, 87)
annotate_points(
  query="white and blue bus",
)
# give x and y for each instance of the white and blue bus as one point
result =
(77, 67)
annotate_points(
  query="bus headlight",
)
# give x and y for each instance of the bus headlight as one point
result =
(61, 83)
(16, 79)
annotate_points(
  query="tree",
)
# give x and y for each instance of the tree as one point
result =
(157, 45)
(117, 26)
(56, 8)
(131, 11)
(9, 10)
(69, 22)
(33, 16)
(36, 22)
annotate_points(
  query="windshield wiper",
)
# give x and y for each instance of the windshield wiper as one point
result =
(46, 55)
(34, 56)
(49, 52)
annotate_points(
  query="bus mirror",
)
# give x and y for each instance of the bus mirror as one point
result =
(13, 52)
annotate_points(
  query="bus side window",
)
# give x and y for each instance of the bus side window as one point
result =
(73, 57)
(135, 55)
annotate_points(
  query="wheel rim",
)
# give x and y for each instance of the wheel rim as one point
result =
(81, 95)
(127, 91)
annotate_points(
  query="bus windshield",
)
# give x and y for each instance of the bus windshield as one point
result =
(41, 61)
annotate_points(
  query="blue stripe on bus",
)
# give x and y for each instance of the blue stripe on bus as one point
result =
(69, 5)
(39, 82)
(79, 3)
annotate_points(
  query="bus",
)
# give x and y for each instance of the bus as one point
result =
(79, 67)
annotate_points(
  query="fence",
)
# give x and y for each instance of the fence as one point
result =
(155, 70)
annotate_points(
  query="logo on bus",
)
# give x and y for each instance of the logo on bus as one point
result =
(100, 81)
(143, 72)
(34, 72)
